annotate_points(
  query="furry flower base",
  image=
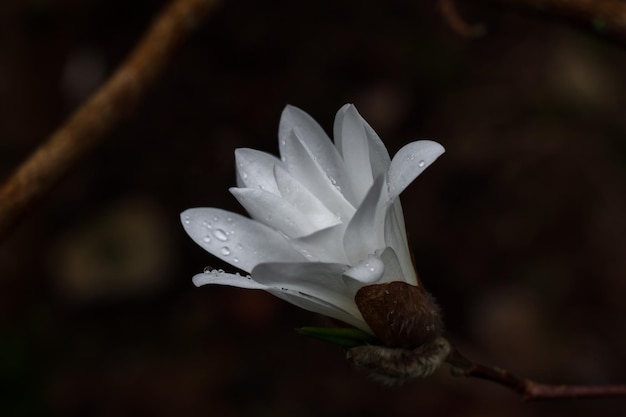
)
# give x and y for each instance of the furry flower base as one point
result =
(394, 366)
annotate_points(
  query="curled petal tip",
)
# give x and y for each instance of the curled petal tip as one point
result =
(410, 161)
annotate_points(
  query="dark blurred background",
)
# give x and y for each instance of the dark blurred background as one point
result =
(519, 230)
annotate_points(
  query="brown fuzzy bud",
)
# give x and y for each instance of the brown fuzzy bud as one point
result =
(400, 314)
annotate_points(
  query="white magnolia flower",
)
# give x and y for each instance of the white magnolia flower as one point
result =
(326, 218)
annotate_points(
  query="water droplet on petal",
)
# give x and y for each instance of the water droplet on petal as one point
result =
(244, 175)
(229, 219)
(225, 251)
(207, 269)
(410, 157)
(186, 220)
(239, 246)
(367, 271)
(206, 239)
(220, 235)
(236, 260)
(333, 181)
(421, 163)
(215, 218)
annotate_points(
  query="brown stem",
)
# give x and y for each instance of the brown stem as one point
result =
(102, 112)
(530, 390)
(456, 22)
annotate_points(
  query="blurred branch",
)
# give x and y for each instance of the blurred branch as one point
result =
(605, 16)
(102, 112)
(453, 18)
(530, 390)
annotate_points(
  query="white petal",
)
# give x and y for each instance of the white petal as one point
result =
(393, 269)
(365, 232)
(353, 144)
(302, 165)
(315, 140)
(224, 278)
(255, 169)
(295, 119)
(395, 237)
(301, 198)
(409, 162)
(338, 127)
(379, 157)
(236, 239)
(295, 297)
(325, 245)
(310, 303)
(319, 281)
(273, 211)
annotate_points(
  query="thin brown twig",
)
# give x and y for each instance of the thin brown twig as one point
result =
(102, 112)
(452, 16)
(529, 389)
